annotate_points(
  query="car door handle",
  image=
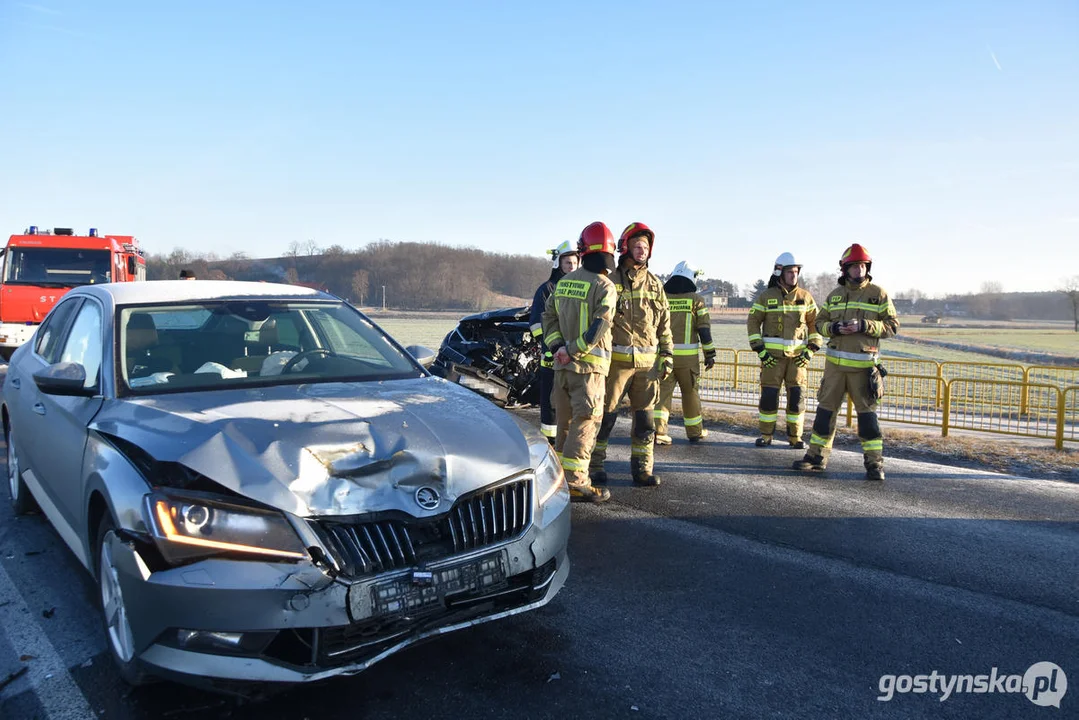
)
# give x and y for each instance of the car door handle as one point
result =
(16, 383)
(39, 408)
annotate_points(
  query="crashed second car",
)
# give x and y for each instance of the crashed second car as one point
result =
(266, 487)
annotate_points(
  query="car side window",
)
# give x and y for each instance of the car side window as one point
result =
(52, 330)
(83, 344)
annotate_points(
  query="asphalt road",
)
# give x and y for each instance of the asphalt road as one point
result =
(736, 589)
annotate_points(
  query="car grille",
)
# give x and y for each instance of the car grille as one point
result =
(476, 521)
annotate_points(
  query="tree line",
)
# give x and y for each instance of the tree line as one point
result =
(989, 303)
(407, 274)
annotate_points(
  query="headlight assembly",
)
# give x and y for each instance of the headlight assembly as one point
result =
(187, 527)
(550, 480)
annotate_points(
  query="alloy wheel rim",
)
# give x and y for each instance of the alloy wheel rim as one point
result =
(112, 603)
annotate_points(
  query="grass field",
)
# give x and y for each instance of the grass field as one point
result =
(1061, 342)
(429, 328)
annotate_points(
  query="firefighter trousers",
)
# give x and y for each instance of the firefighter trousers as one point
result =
(688, 379)
(643, 392)
(834, 386)
(578, 403)
(784, 372)
(548, 423)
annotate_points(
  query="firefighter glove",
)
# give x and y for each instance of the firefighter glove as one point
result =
(804, 358)
(766, 359)
(662, 369)
(709, 359)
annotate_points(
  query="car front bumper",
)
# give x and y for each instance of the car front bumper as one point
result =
(322, 626)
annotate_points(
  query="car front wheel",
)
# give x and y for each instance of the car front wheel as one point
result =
(22, 502)
(118, 635)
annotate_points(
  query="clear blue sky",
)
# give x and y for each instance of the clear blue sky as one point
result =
(942, 135)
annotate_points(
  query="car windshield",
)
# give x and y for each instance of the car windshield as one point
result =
(237, 343)
(57, 267)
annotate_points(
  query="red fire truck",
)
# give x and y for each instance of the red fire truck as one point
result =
(39, 266)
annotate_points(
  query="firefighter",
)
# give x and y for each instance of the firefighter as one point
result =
(856, 316)
(577, 329)
(564, 260)
(641, 356)
(782, 331)
(691, 330)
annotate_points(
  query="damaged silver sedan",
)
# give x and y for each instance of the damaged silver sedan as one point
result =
(266, 487)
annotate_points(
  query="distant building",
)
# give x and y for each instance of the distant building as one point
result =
(715, 300)
(903, 306)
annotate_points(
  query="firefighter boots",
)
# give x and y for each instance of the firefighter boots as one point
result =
(809, 463)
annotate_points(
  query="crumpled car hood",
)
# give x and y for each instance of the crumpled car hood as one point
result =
(330, 449)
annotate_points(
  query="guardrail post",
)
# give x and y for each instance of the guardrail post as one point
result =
(1024, 394)
(1060, 418)
(947, 410)
(940, 382)
(850, 412)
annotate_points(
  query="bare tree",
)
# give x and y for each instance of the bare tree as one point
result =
(992, 287)
(294, 249)
(819, 286)
(309, 247)
(361, 283)
(1071, 289)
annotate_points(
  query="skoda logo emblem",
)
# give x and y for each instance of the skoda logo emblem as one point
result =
(427, 498)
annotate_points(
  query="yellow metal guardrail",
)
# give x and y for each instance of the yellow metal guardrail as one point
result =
(1003, 398)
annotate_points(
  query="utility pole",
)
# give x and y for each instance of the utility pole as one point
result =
(383, 297)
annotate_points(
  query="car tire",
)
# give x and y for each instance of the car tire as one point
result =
(118, 638)
(22, 502)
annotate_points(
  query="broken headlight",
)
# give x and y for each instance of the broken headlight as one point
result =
(550, 480)
(188, 527)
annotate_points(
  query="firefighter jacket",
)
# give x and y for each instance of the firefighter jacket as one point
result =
(867, 302)
(784, 321)
(578, 315)
(535, 321)
(691, 326)
(642, 319)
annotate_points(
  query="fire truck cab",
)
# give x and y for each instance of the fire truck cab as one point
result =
(39, 266)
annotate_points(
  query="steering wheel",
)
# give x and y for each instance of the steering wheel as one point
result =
(295, 359)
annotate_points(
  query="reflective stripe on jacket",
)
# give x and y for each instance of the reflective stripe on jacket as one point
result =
(785, 322)
(578, 315)
(688, 315)
(642, 320)
(867, 302)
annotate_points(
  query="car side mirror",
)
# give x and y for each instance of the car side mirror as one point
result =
(64, 378)
(425, 356)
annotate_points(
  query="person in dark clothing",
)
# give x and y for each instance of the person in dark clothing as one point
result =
(564, 260)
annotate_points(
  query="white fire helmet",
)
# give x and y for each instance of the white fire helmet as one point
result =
(684, 269)
(566, 247)
(785, 260)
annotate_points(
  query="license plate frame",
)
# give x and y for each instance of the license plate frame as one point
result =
(423, 590)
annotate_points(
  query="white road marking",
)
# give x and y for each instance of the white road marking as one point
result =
(56, 690)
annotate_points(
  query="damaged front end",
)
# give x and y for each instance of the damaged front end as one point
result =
(494, 354)
(369, 587)
(221, 589)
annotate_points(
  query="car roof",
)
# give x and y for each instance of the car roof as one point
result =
(169, 291)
